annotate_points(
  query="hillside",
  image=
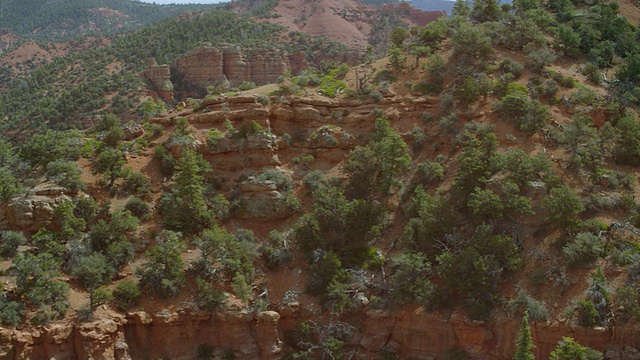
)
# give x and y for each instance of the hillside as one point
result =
(57, 19)
(412, 206)
(46, 89)
(355, 24)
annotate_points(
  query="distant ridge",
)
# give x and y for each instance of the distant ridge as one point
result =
(433, 5)
(58, 19)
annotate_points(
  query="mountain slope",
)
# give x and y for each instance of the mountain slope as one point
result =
(353, 23)
(54, 19)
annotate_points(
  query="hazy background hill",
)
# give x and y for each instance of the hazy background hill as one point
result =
(433, 5)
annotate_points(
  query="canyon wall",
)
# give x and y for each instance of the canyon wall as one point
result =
(408, 333)
(160, 79)
(207, 65)
(328, 128)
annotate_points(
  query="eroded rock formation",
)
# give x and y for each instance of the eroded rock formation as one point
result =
(31, 212)
(410, 333)
(207, 65)
(160, 79)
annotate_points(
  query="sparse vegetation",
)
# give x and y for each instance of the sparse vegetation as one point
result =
(482, 165)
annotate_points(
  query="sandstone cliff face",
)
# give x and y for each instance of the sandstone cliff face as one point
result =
(325, 128)
(142, 336)
(408, 12)
(409, 333)
(31, 212)
(160, 79)
(201, 67)
(207, 65)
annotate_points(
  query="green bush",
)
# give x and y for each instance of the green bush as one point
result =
(321, 273)
(431, 171)
(126, 295)
(139, 208)
(186, 208)
(384, 75)
(426, 88)
(376, 168)
(136, 184)
(593, 74)
(539, 58)
(164, 271)
(208, 298)
(10, 241)
(340, 225)
(314, 179)
(11, 312)
(510, 66)
(549, 89)
(433, 219)
(436, 68)
(515, 103)
(583, 96)
(248, 129)
(536, 309)
(563, 205)
(276, 255)
(568, 349)
(153, 129)
(583, 250)
(246, 85)
(410, 280)
(280, 178)
(213, 137)
(167, 161)
(626, 301)
(330, 86)
(67, 174)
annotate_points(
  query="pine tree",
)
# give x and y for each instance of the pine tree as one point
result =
(524, 343)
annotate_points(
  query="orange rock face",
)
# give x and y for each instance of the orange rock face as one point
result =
(160, 79)
(207, 65)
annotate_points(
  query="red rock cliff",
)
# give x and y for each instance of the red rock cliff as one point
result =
(207, 65)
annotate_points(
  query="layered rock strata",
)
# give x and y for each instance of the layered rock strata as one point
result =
(206, 66)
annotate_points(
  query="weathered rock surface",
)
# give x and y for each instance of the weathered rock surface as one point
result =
(160, 79)
(262, 200)
(177, 335)
(101, 340)
(201, 67)
(410, 333)
(31, 212)
(207, 65)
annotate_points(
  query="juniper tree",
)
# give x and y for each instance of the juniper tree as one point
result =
(524, 343)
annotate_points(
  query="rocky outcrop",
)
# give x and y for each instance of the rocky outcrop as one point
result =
(409, 333)
(29, 213)
(98, 340)
(160, 79)
(202, 67)
(268, 65)
(407, 11)
(235, 65)
(207, 65)
(298, 62)
(142, 336)
(261, 199)
(101, 340)
(419, 335)
(322, 126)
(177, 335)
